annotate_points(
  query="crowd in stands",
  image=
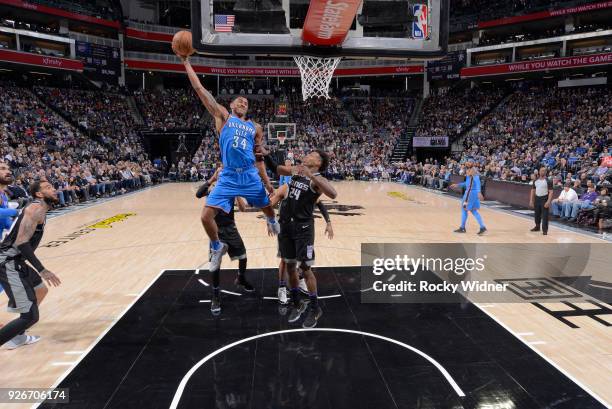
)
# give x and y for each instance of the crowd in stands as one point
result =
(87, 142)
(173, 108)
(450, 112)
(39, 144)
(106, 115)
(568, 131)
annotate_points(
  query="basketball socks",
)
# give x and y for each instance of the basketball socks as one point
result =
(215, 245)
(215, 284)
(314, 300)
(282, 284)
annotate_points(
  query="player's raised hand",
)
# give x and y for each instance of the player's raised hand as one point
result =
(50, 278)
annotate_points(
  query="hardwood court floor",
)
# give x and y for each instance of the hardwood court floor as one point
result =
(105, 266)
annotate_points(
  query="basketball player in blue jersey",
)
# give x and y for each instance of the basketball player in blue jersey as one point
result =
(471, 199)
(243, 174)
(6, 214)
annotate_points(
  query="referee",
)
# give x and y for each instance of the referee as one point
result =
(541, 196)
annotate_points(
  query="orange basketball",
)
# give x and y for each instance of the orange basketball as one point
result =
(182, 44)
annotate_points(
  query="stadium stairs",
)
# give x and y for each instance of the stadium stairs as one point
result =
(135, 111)
(404, 143)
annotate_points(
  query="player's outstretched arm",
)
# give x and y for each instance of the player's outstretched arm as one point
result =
(319, 182)
(278, 195)
(218, 111)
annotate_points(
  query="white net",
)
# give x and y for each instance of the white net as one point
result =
(316, 75)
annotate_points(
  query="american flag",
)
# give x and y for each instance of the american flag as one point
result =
(224, 22)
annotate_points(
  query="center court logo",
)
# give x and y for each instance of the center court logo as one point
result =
(88, 228)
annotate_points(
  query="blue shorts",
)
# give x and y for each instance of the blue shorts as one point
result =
(473, 201)
(284, 180)
(232, 183)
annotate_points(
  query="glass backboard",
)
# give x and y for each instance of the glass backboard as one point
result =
(360, 28)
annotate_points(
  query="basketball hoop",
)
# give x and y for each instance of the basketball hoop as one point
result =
(281, 140)
(316, 75)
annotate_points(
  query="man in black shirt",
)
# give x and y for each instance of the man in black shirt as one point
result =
(296, 238)
(228, 234)
(541, 196)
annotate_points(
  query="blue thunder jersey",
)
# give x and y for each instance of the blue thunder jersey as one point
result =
(237, 143)
(6, 214)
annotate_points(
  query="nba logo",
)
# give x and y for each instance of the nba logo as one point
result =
(419, 27)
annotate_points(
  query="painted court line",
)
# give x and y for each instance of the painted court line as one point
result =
(97, 340)
(189, 374)
(544, 357)
(62, 363)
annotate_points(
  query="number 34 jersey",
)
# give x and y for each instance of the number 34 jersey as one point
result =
(237, 143)
(300, 201)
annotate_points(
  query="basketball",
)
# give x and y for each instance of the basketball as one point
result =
(182, 44)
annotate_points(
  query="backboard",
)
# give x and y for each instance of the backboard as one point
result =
(416, 29)
(278, 130)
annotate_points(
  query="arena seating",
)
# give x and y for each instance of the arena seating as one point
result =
(39, 143)
(515, 131)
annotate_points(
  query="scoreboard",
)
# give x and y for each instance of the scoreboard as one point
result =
(100, 62)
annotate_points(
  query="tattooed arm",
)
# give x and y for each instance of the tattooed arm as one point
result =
(33, 216)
